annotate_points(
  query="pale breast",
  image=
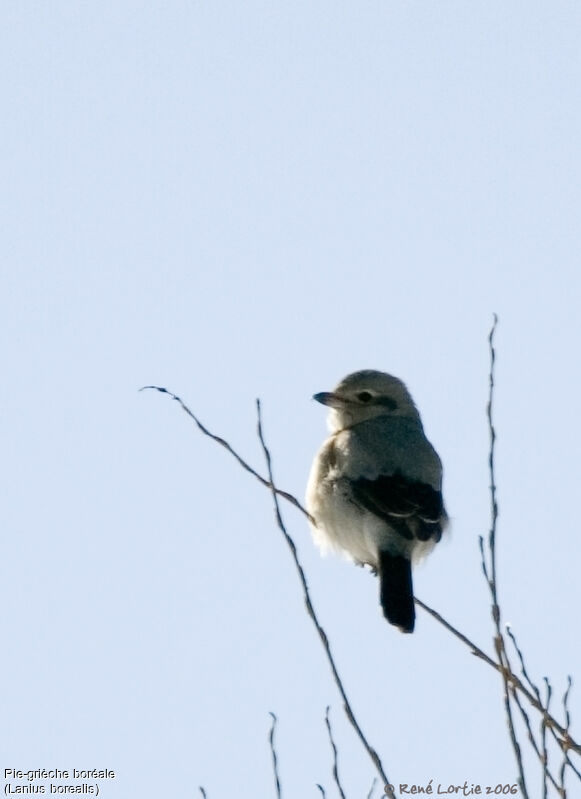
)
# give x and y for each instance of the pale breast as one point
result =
(344, 525)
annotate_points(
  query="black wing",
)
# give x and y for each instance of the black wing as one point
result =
(415, 510)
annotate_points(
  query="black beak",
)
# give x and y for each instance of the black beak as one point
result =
(328, 398)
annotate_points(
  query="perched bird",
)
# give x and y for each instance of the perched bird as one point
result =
(375, 488)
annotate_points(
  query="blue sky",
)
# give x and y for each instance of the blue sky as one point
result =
(252, 200)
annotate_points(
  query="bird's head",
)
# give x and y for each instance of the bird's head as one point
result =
(366, 395)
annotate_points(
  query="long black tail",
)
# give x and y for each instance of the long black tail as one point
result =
(396, 593)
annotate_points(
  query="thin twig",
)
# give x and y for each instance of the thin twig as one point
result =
(544, 742)
(274, 755)
(566, 702)
(289, 497)
(572, 766)
(523, 667)
(335, 760)
(373, 784)
(203, 792)
(566, 759)
(562, 743)
(311, 611)
(512, 678)
(542, 751)
(461, 637)
(510, 721)
(552, 724)
(490, 573)
(483, 559)
(566, 744)
(320, 787)
(493, 502)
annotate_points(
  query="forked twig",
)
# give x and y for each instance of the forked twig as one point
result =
(541, 751)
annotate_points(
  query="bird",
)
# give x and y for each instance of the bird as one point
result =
(374, 492)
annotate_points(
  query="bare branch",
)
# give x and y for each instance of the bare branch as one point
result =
(544, 742)
(541, 751)
(565, 743)
(490, 572)
(311, 611)
(289, 497)
(523, 667)
(335, 761)
(274, 756)
(483, 559)
(493, 502)
(472, 646)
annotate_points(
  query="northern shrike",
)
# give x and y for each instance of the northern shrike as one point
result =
(375, 488)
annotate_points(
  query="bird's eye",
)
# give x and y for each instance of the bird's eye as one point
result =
(364, 396)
